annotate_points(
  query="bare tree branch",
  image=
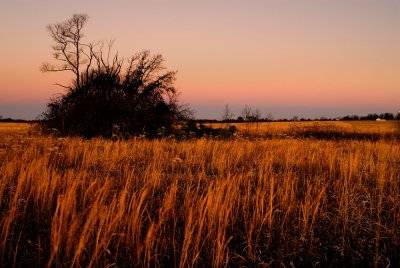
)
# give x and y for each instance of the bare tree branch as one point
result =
(68, 48)
(66, 87)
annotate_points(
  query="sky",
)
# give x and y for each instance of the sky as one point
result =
(309, 58)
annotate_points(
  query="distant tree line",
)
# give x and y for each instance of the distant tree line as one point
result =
(11, 120)
(374, 116)
(250, 115)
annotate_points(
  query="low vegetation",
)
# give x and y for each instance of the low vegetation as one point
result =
(333, 130)
(203, 202)
(110, 96)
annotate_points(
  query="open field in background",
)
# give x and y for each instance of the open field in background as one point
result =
(14, 128)
(352, 126)
(371, 130)
(268, 202)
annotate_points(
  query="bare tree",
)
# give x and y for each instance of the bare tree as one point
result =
(269, 117)
(69, 49)
(256, 116)
(247, 115)
(227, 114)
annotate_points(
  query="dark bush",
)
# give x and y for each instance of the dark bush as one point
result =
(195, 130)
(138, 101)
(109, 97)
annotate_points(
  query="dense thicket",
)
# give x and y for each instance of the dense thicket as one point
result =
(138, 101)
(110, 96)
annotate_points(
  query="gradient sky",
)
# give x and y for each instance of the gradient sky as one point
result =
(285, 57)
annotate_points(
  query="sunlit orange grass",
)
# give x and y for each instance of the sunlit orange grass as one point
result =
(287, 129)
(14, 127)
(74, 202)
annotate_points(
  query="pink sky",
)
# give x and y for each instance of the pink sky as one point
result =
(307, 58)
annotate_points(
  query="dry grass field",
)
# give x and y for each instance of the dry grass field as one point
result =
(327, 130)
(280, 201)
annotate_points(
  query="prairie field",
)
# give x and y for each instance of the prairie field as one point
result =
(361, 130)
(276, 194)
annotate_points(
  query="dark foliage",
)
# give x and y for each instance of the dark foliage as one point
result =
(108, 103)
(193, 130)
(107, 97)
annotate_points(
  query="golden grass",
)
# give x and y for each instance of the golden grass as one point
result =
(97, 203)
(276, 129)
(14, 127)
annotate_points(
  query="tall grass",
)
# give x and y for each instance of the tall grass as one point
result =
(328, 130)
(74, 202)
